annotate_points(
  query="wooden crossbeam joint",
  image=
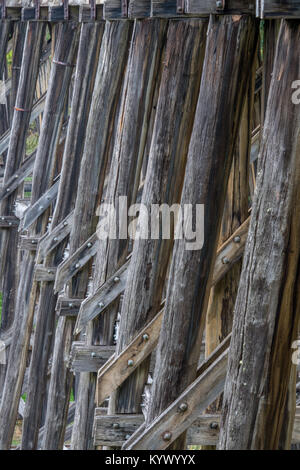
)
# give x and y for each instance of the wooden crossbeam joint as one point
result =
(29, 243)
(8, 221)
(124, 8)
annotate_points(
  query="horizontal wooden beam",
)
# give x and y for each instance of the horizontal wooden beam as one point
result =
(8, 221)
(50, 240)
(279, 9)
(115, 430)
(89, 358)
(67, 307)
(43, 273)
(28, 243)
(52, 13)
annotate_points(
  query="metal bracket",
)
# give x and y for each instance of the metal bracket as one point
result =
(220, 5)
(180, 6)
(124, 8)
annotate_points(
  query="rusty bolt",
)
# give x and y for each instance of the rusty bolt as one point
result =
(183, 406)
(167, 436)
(214, 425)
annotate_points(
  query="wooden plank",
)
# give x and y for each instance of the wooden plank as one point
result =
(8, 221)
(139, 8)
(43, 273)
(118, 369)
(89, 358)
(72, 265)
(18, 177)
(230, 252)
(280, 9)
(68, 307)
(267, 309)
(39, 207)
(172, 422)
(102, 298)
(114, 430)
(28, 243)
(168, 8)
(56, 235)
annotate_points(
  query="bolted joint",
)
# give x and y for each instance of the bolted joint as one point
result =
(225, 260)
(183, 407)
(89, 245)
(167, 436)
(130, 363)
(145, 337)
(116, 426)
(237, 239)
(101, 304)
(214, 425)
(116, 279)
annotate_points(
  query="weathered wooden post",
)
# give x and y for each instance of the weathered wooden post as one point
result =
(63, 64)
(43, 175)
(267, 307)
(112, 63)
(230, 49)
(131, 136)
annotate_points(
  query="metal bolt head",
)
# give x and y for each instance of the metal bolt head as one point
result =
(214, 425)
(93, 354)
(127, 437)
(16, 176)
(10, 223)
(33, 242)
(167, 436)
(8, 189)
(116, 426)
(219, 4)
(89, 245)
(116, 279)
(101, 304)
(130, 363)
(55, 239)
(183, 406)
(65, 224)
(225, 260)
(49, 271)
(237, 239)
(145, 337)
(77, 265)
(70, 305)
(41, 208)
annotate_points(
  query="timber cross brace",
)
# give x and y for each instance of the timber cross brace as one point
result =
(168, 103)
(131, 9)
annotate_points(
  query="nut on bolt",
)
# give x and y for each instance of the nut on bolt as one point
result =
(183, 406)
(167, 436)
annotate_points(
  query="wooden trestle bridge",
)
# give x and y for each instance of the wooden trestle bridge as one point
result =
(164, 102)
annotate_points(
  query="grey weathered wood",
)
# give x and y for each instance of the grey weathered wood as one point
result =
(39, 207)
(44, 273)
(91, 358)
(267, 309)
(28, 243)
(18, 177)
(78, 260)
(178, 92)
(54, 237)
(280, 8)
(66, 306)
(112, 62)
(103, 297)
(209, 161)
(203, 391)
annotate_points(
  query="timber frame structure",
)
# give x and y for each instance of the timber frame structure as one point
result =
(162, 102)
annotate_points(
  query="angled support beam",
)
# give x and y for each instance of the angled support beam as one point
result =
(19, 176)
(119, 368)
(67, 307)
(39, 207)
(103, 297)
(51, 240)
(76, 262)
(172, 422)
